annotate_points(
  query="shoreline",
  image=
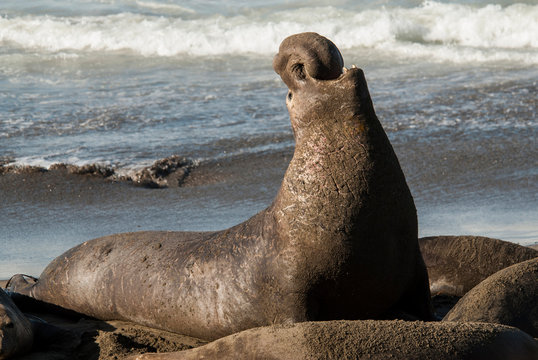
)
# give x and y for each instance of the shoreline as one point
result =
(46, 213)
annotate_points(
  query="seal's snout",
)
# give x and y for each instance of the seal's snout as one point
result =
(307, 55)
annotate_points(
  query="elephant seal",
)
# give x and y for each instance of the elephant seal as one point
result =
(16, 334)
(338, 242)
(456, 264)
(366, 339)
(508, 297)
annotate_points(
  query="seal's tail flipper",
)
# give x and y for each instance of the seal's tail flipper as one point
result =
(24, 290)
(20, 284)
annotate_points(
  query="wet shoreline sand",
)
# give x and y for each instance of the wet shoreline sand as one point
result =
(459, 188)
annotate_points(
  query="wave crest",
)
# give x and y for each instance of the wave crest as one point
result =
(419, 31)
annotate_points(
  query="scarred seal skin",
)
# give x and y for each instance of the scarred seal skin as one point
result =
(16, 334)
(338, 242)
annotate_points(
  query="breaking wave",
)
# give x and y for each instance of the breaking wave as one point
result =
(444, 32)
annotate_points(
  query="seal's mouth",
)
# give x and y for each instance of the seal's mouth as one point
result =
(349, 78)
(345, 70)
(348, 72)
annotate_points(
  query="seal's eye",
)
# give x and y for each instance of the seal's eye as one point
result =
(290, 96)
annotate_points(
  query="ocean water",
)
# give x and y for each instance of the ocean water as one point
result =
(124, 83)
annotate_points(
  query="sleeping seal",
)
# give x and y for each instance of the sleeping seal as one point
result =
(366, 339)
(338, 242)
(508, 297)
(456, 264)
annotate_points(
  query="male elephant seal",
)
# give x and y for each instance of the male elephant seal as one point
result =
(16, 334)
(456, 264)
(366, 339)
(338, 242)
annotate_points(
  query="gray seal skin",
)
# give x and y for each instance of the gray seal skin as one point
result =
(338, 242)
(456, 264)
(508, 297)
(366, 339)
(16, 333)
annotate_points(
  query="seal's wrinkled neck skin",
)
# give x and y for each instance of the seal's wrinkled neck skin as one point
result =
(338, 137)
(344, 195)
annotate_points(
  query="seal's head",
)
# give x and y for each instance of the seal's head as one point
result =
(307, 55)
(320, 88)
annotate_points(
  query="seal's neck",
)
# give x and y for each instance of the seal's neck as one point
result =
(337, 171)
(344, 173)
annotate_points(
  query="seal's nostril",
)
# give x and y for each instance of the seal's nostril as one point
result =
(290, 95)
(298, 70)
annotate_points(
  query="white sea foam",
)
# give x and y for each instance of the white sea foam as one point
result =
(442, 32)
(176, 9)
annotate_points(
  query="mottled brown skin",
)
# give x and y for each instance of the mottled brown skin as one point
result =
(338, 242)
(367, 339)
(456, 264)
(16, 334)
(508, 297)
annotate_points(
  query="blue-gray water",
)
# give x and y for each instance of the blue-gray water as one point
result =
(125, 83)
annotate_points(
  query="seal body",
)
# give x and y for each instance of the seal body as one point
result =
(367, 339)
(16, 334)
(338, 242)
(456, 264)
(508, 297)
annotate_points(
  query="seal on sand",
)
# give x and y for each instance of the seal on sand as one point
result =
(16, 334)
(367, 339)
(456, 264)
(338, 242)
(508, 297)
